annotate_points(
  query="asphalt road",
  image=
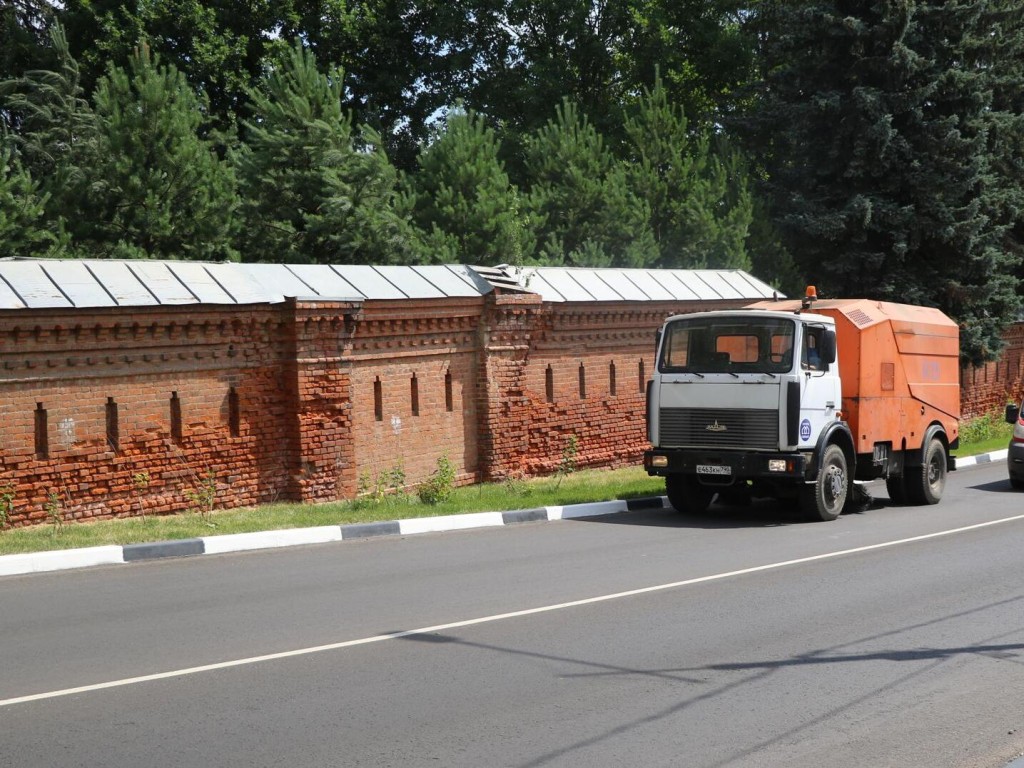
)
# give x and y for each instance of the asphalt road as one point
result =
(741, 638)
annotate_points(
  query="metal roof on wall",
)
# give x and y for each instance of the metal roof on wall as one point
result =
(42, 283)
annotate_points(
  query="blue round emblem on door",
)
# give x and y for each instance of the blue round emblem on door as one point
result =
(805, 430)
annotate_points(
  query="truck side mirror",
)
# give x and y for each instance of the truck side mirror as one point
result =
(828, 347)
(1012, 413)
(657, 339)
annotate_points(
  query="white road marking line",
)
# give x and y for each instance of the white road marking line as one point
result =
(489, 619)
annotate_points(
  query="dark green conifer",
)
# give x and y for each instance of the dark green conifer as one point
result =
(317, 190)
(874, 126)
(584, 209)
(463, 197)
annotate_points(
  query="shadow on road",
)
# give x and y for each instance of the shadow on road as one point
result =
(996, 486)
(759, 513)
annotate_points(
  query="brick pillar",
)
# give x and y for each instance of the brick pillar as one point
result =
(322, 461)
(506, 333)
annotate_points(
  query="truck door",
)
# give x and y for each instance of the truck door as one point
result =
(819, 387)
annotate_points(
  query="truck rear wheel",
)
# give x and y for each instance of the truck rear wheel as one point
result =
(926, 483)
(825, 499)
(687, 495)
(897, 488)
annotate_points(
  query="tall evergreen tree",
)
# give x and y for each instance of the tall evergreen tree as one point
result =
(463, 197)
(316, 190)
(699, 201)
(24, 35)
(585, 212)
(56, 136)
(1001, 55)
(22, 211)
(874, 124)
(162, 190)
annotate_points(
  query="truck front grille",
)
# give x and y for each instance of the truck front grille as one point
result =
(719, 428)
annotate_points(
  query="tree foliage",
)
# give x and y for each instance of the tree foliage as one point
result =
(22, 208)
(883, 187)
(317, 191)
(585, 211)
(463, 197)
(159, 187)
(700, 207)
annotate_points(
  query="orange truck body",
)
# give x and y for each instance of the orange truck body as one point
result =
(900, 369)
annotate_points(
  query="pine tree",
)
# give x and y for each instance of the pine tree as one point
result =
(22, 213)
(317, 190)
(699, 201)
(463, 197)
(585, 212)
(162, 190)
(874, 125)
(55, 137)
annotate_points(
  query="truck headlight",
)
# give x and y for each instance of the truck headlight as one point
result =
(776, 465)
(659, 461)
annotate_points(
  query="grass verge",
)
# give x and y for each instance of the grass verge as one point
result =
(576, 488)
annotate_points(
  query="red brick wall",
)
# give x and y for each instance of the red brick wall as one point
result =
(75, 363)
(988, 388)
(304, 377)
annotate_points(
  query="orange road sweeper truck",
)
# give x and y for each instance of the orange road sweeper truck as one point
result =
(797, 399)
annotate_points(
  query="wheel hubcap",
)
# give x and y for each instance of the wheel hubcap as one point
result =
(836, 485)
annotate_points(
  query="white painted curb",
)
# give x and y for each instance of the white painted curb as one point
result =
(240, 542)
(40, 562)
(450, 522)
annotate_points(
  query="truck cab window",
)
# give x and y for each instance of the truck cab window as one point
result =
(811, 357)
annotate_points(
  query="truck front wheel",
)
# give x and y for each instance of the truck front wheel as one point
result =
(687, 495)
(926, 483)
(826, 497)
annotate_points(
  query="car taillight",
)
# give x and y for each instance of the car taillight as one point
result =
(1018, 431)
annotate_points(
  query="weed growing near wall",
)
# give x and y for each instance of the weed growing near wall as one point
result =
(440, 485)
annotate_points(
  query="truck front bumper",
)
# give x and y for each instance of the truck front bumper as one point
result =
(726, 467)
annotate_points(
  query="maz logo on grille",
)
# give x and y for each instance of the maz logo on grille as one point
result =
(716, 427)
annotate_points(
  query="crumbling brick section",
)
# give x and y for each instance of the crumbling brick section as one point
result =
(123, 412)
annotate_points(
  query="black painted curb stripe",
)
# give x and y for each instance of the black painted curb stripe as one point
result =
(524, 516)
(368, 530)
(652, 502)
(181, 548)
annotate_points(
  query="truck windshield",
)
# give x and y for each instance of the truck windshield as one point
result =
(727, 345)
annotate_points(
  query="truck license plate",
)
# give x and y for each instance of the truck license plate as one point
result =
(713, 469)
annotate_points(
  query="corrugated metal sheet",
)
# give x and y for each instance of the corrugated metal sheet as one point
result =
(369, 282)
(241, 286)
(562, 282)
(675, 284)
(449, 281)
(326, 281)
(119, 282)
(277, 281)
(78, 284)
(200, 282)
(648, 285)
(410, 282)
(34, 284)
(162, 283)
